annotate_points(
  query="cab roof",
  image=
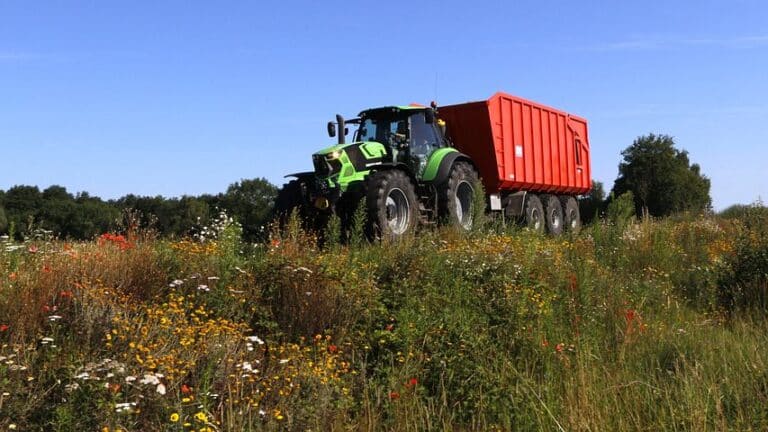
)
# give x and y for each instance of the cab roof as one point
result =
(391, 109)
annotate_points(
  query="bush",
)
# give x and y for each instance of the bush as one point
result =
(744, 281)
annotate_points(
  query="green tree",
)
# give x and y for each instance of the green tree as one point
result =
(661, 177)
(3, 221)
(592, 204)
(250, 202)
(21, 206)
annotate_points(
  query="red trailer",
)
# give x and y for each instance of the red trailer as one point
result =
(524, 148)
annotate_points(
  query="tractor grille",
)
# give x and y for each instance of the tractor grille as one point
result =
(325, 167)
(321, 166)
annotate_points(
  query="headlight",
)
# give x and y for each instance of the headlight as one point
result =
(334, 155)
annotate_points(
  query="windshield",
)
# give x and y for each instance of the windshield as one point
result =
(381, 129)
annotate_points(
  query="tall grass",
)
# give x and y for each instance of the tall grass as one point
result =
(629, 325)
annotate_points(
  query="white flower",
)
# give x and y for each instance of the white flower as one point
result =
(150, 379)
(54, 317)
(255, 339)
(213, 278)
(161, 388)
(125, 407)
(203, 288)
(130, 378)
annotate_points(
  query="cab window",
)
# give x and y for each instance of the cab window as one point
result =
(424, 139)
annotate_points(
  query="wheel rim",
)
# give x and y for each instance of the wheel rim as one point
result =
(398, 211)
(554, 220)
(464, 195)
(572, 218)
(535, 219)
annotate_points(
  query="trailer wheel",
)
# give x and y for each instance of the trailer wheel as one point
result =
(457, 196)
(392, 205)
(571, 214)
(534, 213)
(553, 212)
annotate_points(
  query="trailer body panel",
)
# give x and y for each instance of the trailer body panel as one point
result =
(520, 145)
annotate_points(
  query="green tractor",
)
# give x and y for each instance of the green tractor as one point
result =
(400, 165)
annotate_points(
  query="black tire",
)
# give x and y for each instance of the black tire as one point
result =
(457, 195)
(289, 197)
(553, 212)
(393, 208)
(534, 213)
(571, 214)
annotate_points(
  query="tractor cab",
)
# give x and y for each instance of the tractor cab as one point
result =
(409, 133)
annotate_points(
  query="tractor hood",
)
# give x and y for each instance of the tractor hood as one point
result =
(360, 154)
(344, 163)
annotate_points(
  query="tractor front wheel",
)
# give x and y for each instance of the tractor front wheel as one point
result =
(392, 205)
(289, 198)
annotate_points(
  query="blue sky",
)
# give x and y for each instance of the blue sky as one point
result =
(171, 98)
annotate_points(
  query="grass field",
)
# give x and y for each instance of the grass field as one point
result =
(656, 325)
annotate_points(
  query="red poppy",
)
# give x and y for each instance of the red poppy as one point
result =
(559, 347)
(630, 315)
(185, 389)
(3, 327)
(412, 382)
(390, 327)
(394, 395)
(32, 249)
(65, 294)
(332, 349)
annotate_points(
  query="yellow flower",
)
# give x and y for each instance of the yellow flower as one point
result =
(174, 417)
(200, 416)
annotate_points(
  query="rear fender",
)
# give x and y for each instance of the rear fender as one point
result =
(440, 163)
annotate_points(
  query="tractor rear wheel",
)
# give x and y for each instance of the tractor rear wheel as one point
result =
(457, 196)
(571, 214)
(393, 208)
(553, 212)
(534, 213)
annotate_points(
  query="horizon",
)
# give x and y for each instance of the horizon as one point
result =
(172, 100)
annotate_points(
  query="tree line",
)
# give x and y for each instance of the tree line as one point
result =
(654, 177)
(26, 209)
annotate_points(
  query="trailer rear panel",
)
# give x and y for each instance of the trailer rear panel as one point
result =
(522, 145)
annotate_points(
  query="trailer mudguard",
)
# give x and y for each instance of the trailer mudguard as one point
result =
(439, 165)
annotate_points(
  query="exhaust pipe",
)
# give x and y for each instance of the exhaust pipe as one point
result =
(342, 128)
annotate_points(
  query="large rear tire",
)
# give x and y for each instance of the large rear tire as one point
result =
(393, 207)
(534, 213)
(457, 196)
(571, 214)
(553, 212)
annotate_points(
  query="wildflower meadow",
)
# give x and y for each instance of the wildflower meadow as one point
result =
(628, 325)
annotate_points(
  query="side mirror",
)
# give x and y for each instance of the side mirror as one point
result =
(331, 129)
(346, 131)
(429, 116)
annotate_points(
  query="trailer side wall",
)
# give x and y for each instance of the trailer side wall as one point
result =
(522, 145)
